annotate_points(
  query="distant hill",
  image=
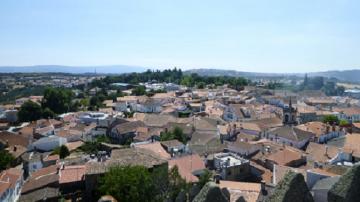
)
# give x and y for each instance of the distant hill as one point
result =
(346, 75)
(221, 72)
(106, 69)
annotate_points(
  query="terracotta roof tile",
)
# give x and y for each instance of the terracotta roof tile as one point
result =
(155, 148)
(13, 139)
(187, 165)
(285, 156)
(70, 174)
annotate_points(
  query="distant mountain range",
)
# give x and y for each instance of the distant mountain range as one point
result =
(105, 69)
(345, 75)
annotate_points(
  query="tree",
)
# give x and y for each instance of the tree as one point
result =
(91, 147)
(201, 85)
(347, 187)
(5, 160)
(291, 188)
(204, 178)
(84, 103)
(62, 151)
(29, 111)
(94, 101)
(343, 123)
(57, 100)
(176, 133)
(47, 113)
(331, 119)
(139, 90)
(179, 135)
(74, 106)
(176, 184)
(128, 183)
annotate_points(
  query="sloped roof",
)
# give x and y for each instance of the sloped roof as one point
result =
(40, 182)
(280, 172)
(187, 165)
(45, 171)
(13, 139)
(352, 143)
(285, 156)
(40, 194)
(202, 137)
(320, 152)
(171, 143)
(136, 156)
(326, 183)
(291, 133)
(8, 179)
(156, 148)
(318, 128)
(128, 127)
(70, 174)
(207, 124)
(249, 191)
(268, 123)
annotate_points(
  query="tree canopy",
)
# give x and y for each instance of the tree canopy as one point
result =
(57, 100)
(174, 75)
(331, 119)
(137, 183)
(176, 133)
(29, 111)
(5, 160)
(128, 183)
(62, 151)
(92, 147)
(139, 90)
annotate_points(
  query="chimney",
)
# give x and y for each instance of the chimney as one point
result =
(326, 150)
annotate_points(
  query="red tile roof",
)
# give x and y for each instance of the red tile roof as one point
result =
(8, 179)
(70, 174)
(155, 148)
(45, 171)
(187, 165)
(13, 139)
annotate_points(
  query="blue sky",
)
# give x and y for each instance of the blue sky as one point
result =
(261, 36)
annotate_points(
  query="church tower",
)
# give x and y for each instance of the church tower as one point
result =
(289, 114)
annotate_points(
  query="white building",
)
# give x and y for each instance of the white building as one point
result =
(100, 118)
(48, 143)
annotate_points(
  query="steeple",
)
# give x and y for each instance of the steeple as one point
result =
(290, 104)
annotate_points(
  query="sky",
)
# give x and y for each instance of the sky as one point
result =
(252, 35)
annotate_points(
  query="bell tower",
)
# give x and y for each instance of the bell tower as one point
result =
(289, 114)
